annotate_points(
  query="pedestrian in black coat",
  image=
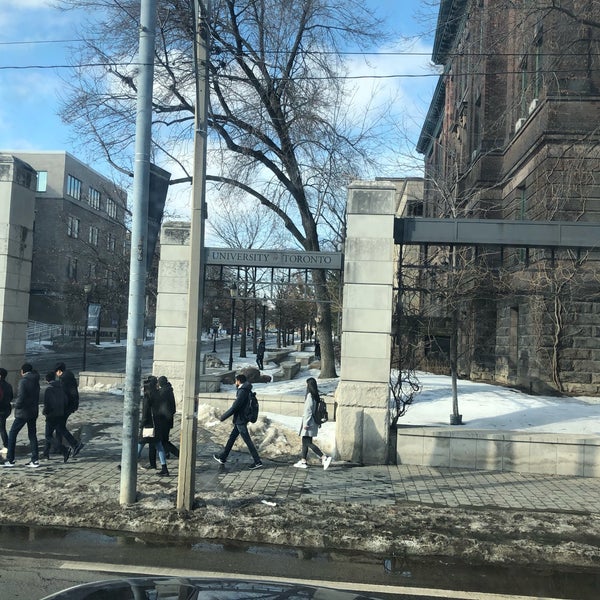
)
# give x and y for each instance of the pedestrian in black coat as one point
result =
(56, 405)
(155, 416)
(240, 423)
(71, 388)
(27, 409)
(260, 354)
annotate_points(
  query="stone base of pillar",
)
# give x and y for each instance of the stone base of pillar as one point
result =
(362, 422)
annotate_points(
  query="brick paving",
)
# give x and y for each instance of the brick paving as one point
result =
(99, 425)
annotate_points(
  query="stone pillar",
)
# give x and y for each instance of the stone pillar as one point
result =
(362, 396)
(17, 210)
(171, 308)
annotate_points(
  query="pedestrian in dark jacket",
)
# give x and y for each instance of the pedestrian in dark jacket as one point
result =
(169, 406)
(260, 354)
(56, 405)
(6, 397)
(240, 423)
(71, 388)
(155, 416)
(27, 409)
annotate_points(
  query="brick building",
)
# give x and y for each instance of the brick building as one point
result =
(512, 133)
(80, 239)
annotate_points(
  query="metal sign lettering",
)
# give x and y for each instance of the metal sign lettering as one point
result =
(281, 259)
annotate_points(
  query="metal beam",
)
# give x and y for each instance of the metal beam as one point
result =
(489, 232)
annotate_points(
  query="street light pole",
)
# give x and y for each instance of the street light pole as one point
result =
(87, 288)
(264, 316)
(215, 331)
(233, 292)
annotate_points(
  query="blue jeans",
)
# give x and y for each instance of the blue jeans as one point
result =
(17, 425)
(242, 430)
(162, 456)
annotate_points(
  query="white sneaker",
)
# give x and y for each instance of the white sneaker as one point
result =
(8, 463)
(301, 464)
(33, 465)
(326, 460)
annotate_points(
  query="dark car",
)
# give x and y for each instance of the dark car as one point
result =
(193, 588)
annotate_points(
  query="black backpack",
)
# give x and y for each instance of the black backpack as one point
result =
(252, 407)
(320, 415)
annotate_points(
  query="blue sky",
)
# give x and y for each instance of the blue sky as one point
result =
(30, 73)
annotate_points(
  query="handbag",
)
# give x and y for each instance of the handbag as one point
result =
(147, 432)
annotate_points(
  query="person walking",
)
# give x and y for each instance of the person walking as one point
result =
(260, 354)
(6, 397)
(169, 407)
(154, 416)
(71, 388)
(309, 428)
(26, 413)
(240, 423)
(55, 406)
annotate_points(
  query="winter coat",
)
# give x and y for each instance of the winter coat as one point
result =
(6, 397)
(155, 414)
(260, 350)
(70, 387)
(167, 402)
(27, 403)
(308, 427)
(238, 408)
(55, 400)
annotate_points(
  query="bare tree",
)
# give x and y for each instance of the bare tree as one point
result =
(281, 128)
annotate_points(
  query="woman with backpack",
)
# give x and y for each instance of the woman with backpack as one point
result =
(310, 427)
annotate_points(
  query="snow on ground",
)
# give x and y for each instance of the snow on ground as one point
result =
(483, 406)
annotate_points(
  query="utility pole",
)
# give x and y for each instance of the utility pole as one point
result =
(186, 484)
(137, 264)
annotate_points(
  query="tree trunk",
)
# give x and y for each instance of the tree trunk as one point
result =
(324, 326)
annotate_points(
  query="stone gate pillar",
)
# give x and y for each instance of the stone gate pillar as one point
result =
(17, 210)
(362, 396)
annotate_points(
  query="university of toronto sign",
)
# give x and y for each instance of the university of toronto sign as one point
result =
(280, 259)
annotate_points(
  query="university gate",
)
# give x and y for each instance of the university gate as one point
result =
(371, 255)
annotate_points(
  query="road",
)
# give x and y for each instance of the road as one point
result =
(37, 562)
(108, 357)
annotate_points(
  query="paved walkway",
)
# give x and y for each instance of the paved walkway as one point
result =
(98, 423)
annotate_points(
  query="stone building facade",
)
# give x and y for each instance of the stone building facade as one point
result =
(511, 133)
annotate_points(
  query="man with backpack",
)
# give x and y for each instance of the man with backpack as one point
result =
(239, 411)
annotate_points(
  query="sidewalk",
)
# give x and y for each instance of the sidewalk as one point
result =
(99, 423)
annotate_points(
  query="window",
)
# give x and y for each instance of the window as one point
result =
(72, 269)
(42, 181)
(111, 208)
(110, 242)
(93, 238)
(73, 227)
(92, 270)
(94, 198)
(414, 208)
(73, 187)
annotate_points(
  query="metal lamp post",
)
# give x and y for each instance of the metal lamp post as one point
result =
(215, 331)
(87, 288)
(264, 316)
(233, 292)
